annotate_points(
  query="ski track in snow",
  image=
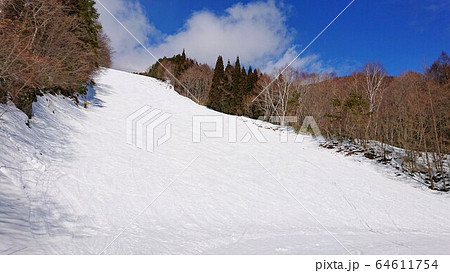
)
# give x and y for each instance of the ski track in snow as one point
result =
(70, 185)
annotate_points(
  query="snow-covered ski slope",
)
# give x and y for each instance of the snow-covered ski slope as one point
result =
(71, 184)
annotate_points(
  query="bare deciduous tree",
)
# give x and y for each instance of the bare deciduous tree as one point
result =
(279, 92)
(374, 75)
(197, 79)
(43, 47)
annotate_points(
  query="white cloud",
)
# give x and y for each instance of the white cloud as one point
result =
(128, 54)
(311, 62)
(256, 32)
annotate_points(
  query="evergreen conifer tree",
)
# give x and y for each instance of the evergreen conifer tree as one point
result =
(215, 93)
(249, 82)
(236, 86)
(227, 91)
(240, 95)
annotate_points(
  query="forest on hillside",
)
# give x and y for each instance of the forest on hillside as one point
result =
(409, 111)
(48, 46)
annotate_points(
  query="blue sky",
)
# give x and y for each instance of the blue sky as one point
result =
(401, 34)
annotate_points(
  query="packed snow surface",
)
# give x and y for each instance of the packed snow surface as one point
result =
(71, 184)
